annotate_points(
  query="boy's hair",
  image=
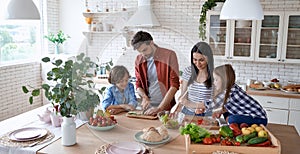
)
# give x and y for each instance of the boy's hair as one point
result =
(227, 75)
(117, 73)
(139, 38)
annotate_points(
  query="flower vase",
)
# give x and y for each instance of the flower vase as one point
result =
(57, 49)
(68, 130)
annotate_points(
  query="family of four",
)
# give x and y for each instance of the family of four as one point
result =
(205, 90)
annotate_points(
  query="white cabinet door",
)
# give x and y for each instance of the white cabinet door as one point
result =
(269, 37)
(291, 41)
(294, 119)
(277, 116)
(277, 108)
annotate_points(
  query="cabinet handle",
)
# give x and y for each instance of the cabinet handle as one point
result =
(279, 60)
(269, 102)
(282, 60)
(268, 110)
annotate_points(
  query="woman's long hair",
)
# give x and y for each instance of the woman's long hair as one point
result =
(204, 49)
(227, 75)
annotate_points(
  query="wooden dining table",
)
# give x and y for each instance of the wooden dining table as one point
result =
(88, 140)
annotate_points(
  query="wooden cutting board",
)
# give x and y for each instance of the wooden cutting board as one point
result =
(139, 115)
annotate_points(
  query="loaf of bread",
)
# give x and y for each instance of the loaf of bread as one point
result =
(256, 86)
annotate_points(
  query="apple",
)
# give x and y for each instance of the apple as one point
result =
(258, 128)
(254, 126)
(262, 133)
(242, 125)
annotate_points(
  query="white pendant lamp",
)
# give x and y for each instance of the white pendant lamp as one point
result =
(22, 10)
(242, 10)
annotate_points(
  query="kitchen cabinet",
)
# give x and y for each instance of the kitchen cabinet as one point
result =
(269, 40)
(274, 39)
(232, 40)
(294, 117)
(277, 108)
(281, 110)
(278, 37)
(291, 38)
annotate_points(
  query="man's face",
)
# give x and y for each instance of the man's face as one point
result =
(146, 50)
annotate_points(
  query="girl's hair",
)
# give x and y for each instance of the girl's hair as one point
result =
(227, 75)
(204, 49)
(117, 73)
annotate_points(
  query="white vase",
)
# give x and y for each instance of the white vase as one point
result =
(68, 131)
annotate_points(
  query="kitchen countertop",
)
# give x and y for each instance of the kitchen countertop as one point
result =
(273, 93)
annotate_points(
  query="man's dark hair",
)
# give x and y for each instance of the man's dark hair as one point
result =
(139, 38)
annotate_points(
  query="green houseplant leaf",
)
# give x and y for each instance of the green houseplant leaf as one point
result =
(71, 86)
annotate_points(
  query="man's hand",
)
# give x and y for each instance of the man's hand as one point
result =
(145, 103)
(152, 111)
(199, 110)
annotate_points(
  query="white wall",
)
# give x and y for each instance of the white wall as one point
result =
(179, 31)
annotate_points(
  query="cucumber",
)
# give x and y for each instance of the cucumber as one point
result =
(249, 136)
(257, 140)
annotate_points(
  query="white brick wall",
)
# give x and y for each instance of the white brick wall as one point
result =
(12, 99)
(179, 31)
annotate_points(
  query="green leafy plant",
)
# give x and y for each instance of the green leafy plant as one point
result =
(208, 5)
(58, 38)
(73, 88)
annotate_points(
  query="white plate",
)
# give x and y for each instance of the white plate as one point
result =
(27, 134)
(125, 148)
(102, 128)
(138, 138)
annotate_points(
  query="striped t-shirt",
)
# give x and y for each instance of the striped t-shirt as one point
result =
(197, 92)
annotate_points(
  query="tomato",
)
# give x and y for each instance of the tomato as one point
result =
(223, 142)
(214, 139)
(200, 121)
(207, 140)
(218, 139)
(237, 143)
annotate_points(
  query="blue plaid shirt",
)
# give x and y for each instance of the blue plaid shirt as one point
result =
(238, 103)
(114, 97)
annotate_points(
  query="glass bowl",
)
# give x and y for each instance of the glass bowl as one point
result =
(171, 120)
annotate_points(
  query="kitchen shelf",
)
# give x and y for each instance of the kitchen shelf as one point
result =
(97, 14)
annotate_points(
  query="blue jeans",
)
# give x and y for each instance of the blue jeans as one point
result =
(244, 119)
(188, 112)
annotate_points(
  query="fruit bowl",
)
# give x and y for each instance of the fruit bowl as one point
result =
(171, 120)
(102, 128)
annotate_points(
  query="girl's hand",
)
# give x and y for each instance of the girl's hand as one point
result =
(216, 114)
(116, 111)
(199, 110)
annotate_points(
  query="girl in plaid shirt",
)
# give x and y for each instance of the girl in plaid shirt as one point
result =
(232, 101)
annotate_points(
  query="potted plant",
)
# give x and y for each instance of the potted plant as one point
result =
(73, 86)
(58, 39)
(208, 5)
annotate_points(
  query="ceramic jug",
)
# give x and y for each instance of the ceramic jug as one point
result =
(68, 130)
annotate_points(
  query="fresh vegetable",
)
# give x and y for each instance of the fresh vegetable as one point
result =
(197, 133)
(263, 144)
(257, 140)
(207, 141)
(262, 133)
(235, 128)
(249, 136)
(225, 131)
(239, 138)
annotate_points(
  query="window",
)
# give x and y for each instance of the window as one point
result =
(19, 40)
